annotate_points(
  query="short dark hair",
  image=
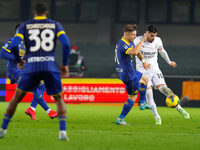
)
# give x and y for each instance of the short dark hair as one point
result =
(130, 28)
(40, 8)
(152, 28)
(16, 27)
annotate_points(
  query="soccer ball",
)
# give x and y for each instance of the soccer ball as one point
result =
(172, 100)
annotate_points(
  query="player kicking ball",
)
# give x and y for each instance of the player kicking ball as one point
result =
(39, 35)
(134, 80)
(147, 63)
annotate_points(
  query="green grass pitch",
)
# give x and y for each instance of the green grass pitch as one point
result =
(91, 127)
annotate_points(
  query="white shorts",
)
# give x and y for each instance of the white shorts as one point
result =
(155, 78)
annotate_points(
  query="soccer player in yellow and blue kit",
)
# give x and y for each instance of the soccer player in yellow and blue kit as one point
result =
(134, 80)
(14, 73)
(39, 35)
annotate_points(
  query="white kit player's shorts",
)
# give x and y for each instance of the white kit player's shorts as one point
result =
(155, 77)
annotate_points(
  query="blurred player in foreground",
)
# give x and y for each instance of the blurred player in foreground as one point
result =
(134, 80)
(14, 72)
(39, 35)
(147, 63)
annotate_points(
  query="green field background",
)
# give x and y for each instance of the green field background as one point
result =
(91, 127)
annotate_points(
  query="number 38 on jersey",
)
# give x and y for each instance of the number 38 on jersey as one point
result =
(43, 39)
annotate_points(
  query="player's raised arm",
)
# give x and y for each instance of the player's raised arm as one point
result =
(135, 50)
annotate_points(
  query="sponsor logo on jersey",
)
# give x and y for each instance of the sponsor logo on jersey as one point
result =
(41, 59)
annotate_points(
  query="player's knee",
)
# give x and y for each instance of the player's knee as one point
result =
(132, 97)
(57, 97)
(165, 90)
(145, 80)
(19, 95)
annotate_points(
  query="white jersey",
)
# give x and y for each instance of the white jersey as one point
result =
(150, 53)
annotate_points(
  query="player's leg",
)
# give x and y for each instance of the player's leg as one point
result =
(153, 80)
(54, 87)
(167, 91)
(10, 111)
(51, 113)
(151, 102)
(38, 99)
(132, 88)
(61, 109)
(143, 79)
(27, 82)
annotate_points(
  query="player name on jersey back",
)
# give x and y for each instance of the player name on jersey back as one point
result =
(40, 35)
(41, 26)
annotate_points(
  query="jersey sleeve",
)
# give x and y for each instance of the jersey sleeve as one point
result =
(6, 52)
(137, 41)
(65, 48)
(160, 44)
(59, 29)
(124, 48)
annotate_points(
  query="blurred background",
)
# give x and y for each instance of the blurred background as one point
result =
(95, 26)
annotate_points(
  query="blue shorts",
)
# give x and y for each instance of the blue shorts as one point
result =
(39, 90)
(132, 86)
(52, 80)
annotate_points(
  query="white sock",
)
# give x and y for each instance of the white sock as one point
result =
(32, 108)
(48, 110)
(178, 107)
(165, 90)
(151, 102)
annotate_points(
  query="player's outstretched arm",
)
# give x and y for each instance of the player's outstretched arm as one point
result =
(165, 56)
(137, 48)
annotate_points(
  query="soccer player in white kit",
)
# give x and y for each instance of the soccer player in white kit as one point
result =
(147, 63)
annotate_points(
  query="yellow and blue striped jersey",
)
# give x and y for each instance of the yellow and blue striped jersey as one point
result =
(124, 62)
(40, 35)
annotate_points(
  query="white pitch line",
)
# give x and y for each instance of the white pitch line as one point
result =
(133, 133)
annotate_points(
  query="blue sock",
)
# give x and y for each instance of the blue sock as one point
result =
(62, 123)
(38, 99)
(5, 122)
(142, 92)
(34, 103)
(126, 108)
(41, 102)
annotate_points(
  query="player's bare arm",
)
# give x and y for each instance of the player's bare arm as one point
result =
(137, 48)
(145, 64)
(64, 71)
(20, 65)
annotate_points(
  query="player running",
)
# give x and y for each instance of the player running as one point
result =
(147, 63)
(14, 73)
(134, 80)
(39, 35)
